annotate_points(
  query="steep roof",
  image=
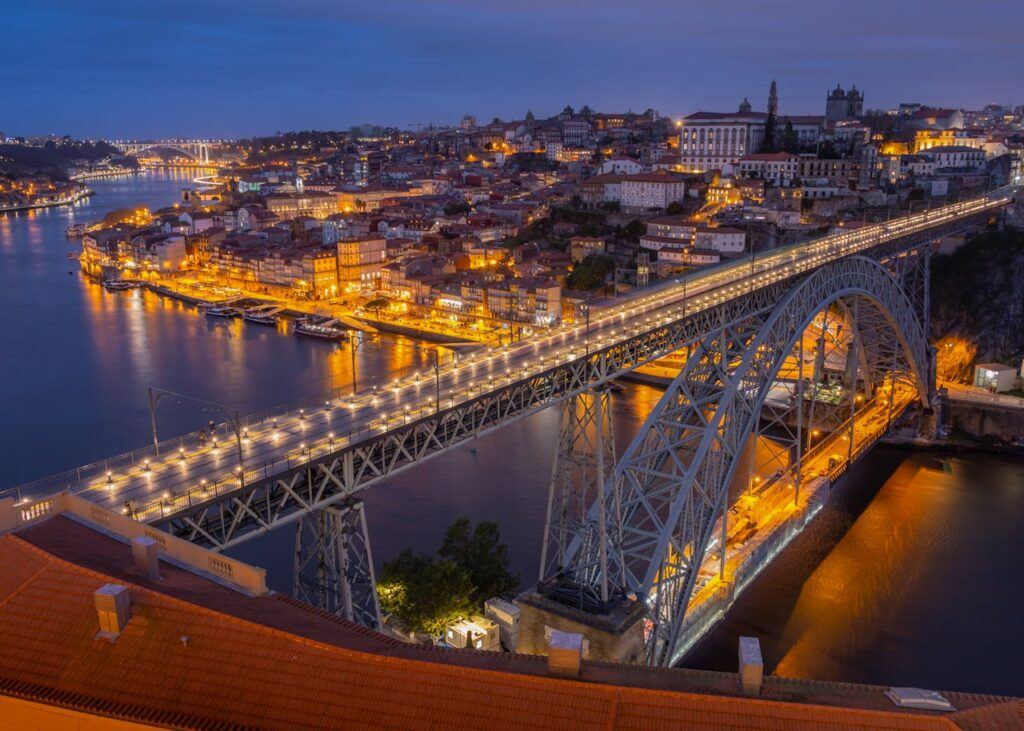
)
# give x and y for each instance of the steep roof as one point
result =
(711, 116)
(928, 113)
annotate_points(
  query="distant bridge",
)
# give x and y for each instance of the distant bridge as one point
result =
(643, 526)
(198, 150)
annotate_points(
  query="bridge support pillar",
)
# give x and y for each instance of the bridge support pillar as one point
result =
(582, 469)
(333, 565)
(578, 598)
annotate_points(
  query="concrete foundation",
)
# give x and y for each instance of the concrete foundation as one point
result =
(985, 422)
(614, 637)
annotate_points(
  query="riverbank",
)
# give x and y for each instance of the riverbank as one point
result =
(104, 174)
(199, 293)
(69, 200)
(959, 443)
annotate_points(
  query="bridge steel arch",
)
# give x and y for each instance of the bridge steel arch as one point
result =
(199, 151)
(670, 487)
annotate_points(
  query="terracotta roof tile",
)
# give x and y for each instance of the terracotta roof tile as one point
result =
(198, 655)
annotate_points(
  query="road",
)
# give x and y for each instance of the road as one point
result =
(765, 507)
(978, 395)
(150, 487)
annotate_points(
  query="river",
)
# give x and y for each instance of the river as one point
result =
(908, 577)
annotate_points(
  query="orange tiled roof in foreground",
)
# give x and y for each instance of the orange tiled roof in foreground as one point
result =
(198, 655)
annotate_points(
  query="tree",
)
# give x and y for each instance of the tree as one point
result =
(827, 151)
(790, 140)
(634, 230)
(768, 141)
(425, 594)
(591, 273)
(456, 207)
(482, 555)
(675, 208)
(378, 304)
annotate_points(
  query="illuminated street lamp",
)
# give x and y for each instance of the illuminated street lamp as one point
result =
(586, 333)
(355, 343)
(435, 353)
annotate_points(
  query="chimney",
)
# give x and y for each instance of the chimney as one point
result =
(114, 608)
(565, 651)
(144, 552)
(751, 665)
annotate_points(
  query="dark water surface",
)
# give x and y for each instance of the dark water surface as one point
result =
(911, 576)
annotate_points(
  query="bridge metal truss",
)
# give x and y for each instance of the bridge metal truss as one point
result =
(198, 150)
(333, 563)
(583, 464)
(714, 335)
(265, 505)
(670, 487)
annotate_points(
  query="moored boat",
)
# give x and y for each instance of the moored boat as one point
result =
(324, 328)
(117, 285)
(263, 315)
(76, 230)
(221, 311)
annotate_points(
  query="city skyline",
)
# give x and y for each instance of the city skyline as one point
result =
(256, 69)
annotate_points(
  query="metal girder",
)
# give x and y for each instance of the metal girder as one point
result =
(262, 505)
(671, 483)
(583, 464)
(220, 520)
(333, 567)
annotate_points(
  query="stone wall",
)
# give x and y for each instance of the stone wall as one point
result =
(980, 421)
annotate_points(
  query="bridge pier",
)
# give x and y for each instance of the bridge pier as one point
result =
(577, 597)
(583, 464)
(333, 565)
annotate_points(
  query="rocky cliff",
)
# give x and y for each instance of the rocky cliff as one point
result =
(978, 295)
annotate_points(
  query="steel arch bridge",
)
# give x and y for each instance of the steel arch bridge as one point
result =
(639, 525)
(665, 498)
(198, 150)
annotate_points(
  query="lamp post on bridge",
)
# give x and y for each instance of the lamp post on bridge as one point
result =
(232, 417)
(586, 333)
(435, 353)
(355, 343)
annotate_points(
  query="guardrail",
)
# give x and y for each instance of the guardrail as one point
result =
(239, 575)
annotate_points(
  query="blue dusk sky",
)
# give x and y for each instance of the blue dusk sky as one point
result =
(143, 68)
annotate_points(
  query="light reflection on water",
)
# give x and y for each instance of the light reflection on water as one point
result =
(910, 577)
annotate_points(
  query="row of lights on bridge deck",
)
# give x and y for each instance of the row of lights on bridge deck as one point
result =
(470, 363)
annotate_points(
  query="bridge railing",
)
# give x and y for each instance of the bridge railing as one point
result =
(96, 474)
(79, 477)
(171, 504)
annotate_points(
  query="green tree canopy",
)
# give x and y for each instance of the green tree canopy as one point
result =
(425, 594)
(482, 555)
(456, 207)
(591, 273)
(790, 140)
(634, 230)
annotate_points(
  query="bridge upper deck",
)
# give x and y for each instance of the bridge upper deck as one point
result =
(152, 484)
